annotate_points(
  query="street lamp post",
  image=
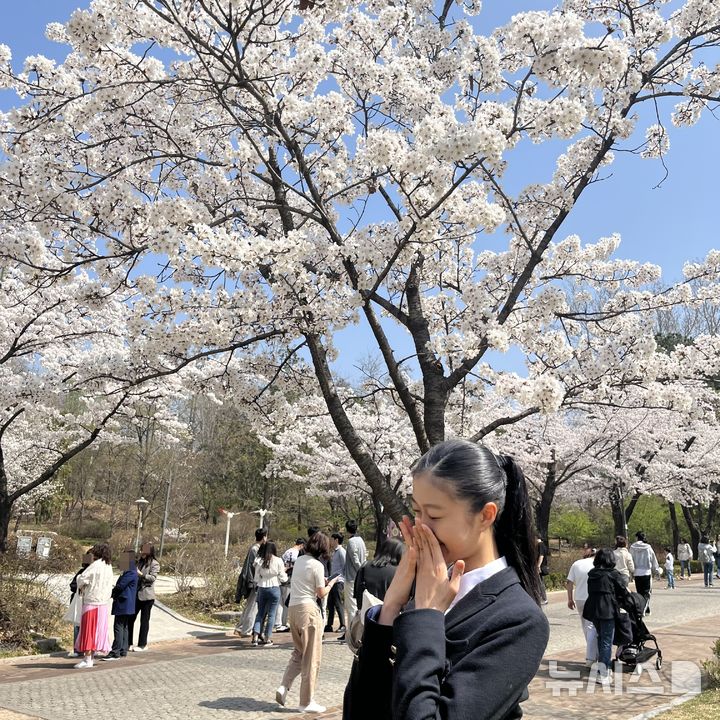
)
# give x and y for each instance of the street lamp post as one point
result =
(165, 516)
(229, 515)
(141, 503)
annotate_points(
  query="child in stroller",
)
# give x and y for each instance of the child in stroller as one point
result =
(631, 634)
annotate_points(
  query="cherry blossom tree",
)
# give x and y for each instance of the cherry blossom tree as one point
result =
(252, 180)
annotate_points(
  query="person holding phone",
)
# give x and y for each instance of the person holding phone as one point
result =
(467, 642)
(308, 584)
(148, 568)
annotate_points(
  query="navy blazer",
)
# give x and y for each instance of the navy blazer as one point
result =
(124, 593)
(474, 663)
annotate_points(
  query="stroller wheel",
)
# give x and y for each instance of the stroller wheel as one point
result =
(658, 662)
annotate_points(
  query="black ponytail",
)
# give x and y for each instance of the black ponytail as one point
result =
(515, 531)
(478, 476)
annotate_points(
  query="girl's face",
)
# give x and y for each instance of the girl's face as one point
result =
(461, 533)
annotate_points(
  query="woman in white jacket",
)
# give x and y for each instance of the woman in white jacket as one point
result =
(684, 555)
(706, 555)
(95, 585)
(269, 573)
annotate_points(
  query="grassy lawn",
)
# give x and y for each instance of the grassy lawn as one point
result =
(705, 706)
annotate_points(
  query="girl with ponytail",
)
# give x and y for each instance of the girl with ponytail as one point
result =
(461, 642)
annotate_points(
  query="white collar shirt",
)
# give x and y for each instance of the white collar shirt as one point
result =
(474, 577)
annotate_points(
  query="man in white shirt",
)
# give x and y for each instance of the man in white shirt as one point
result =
(355, 556)
(577, 592)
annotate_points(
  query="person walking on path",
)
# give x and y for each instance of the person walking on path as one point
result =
(148, 568)
(474, 637)
(623, 559)
(288, 557)
(577, 594)
(605, 586)
(356, 555)
(124, 596)
(684, 555)
(376, 575)
(669, 568)
(95, 584)
(717, 556)
(335, 605)
(646, 565)
(542, 566)
(246, 589)
(306, 623)
(706, 555)
(269, 573)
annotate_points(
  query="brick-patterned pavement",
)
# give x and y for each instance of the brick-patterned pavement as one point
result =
(224, 677)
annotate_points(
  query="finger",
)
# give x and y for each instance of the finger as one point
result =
(457, 573)
(433, 549)
(421, 545)
(406, 530)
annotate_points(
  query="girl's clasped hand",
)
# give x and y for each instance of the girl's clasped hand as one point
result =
(422, 564)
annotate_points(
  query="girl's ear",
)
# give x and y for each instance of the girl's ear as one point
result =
(488, 515)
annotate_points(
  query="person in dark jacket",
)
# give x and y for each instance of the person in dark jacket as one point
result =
(123, 607)
(467, 644)
(246, 590)
(605, 586)
(376, 575)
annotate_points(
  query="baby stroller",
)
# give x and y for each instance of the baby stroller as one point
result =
(631, 634)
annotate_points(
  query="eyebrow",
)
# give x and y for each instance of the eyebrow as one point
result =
(427, 505)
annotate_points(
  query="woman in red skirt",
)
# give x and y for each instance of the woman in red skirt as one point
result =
(95, 585)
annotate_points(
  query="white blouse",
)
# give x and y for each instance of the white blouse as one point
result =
(96, 583)
(272, 575)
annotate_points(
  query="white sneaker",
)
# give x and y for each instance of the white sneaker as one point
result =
(281, 695)
(313, 707)
(137, 648)
(84, 664)
(73, 654)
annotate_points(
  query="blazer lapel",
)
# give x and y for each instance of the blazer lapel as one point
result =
(482, 595)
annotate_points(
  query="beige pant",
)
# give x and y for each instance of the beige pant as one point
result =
(351, 607)
(306, 627)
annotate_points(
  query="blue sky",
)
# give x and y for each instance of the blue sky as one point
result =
(667, 225)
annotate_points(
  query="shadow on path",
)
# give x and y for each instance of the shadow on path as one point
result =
(247, 704)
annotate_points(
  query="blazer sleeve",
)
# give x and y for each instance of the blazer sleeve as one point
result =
(125, 581)
(629, 563)
(492, 675)
(150, 574)
(83, 578)
(369, 688)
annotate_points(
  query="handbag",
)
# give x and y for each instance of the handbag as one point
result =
(74, 612)
(353, 636)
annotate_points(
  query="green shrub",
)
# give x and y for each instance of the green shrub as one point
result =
(88, 530)
(573, 525)
(712, 666)
(27, 605)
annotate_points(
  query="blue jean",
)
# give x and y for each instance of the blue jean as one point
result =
(606, 632)
(670, 578)
(685, 565)
(708, 572)
(268, 600)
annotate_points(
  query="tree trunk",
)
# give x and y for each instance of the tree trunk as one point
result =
(674, 522)
(381, 521)
(5, 510)
(692, 527)
(544, 504)
(616, 505)
(712, 514)
(631, 505)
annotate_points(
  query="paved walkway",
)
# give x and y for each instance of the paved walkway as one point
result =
(218, 676)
